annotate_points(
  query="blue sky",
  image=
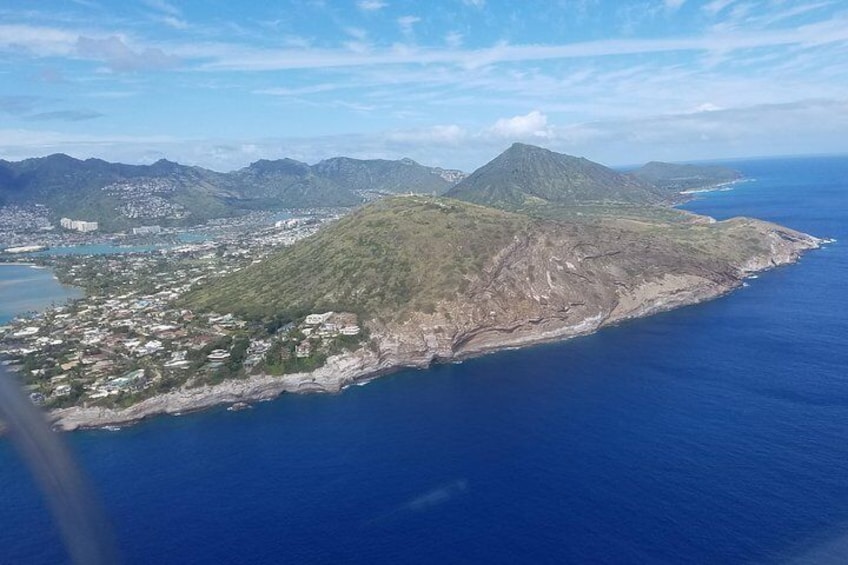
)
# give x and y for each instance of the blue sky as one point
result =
(451, 82)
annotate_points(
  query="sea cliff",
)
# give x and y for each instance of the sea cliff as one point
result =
(534, 290)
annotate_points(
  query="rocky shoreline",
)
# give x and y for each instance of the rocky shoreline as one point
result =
(422, 342)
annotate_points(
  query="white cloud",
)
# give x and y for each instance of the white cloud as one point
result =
(817, 126)
(716, 6)
(673, 4)
(371, 5)
(450, 134)
(168, 14)
(301, 90)
(38, 40)
(453, 39)
(119, 57)
(174, 22)
(233, 57)
(356, 33)
(706, 107)
(162, 6)
(406, 23)
(533, 124)
(475, 3)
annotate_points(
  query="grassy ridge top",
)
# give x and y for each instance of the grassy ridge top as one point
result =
(392, 256)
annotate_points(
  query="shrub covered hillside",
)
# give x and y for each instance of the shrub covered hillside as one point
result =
(392, 256)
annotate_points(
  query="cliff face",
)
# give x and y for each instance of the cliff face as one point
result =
(560, 283)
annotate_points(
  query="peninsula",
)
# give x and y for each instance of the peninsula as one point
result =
(533, 247)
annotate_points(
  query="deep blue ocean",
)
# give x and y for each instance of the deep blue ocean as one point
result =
(716, 433)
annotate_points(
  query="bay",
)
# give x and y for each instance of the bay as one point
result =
(24, 288)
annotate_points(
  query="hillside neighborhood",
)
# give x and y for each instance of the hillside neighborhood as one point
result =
(127, 339)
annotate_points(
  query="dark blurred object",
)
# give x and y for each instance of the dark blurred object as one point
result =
(87, 533)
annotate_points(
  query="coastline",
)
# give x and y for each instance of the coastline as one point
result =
(720, 187)
(344, 370)
(51, 290)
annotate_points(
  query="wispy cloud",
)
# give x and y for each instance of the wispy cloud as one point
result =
(371, 5)
(406, 23)
(119, 57)
(451, 134)
(64, 115)
(223, 57)
(716, 6)
(746, 131)
(18, 105)
(40, 41)
(167, 13)
(453, 39)
(162, 6)
(302, 90)
(474, 74)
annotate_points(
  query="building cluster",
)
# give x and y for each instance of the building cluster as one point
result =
(147, 230)
(31, 218)
(78, 225)
(105, 351)
(141, 198)
(291, 223)
(152, 207)
(128, 339)
(143, 186)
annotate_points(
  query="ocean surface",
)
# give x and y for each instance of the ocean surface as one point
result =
(716, 433)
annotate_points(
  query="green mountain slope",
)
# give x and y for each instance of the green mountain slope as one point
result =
(393, 255)
(464, 271)
(265, 184)
(383, 176)
(120, 196)
(115, 194)
(527, 175)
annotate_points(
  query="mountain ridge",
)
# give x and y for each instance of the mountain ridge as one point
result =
(529, 175)
(522, 178)
(121, 195)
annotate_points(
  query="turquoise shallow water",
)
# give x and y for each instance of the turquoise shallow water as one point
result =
(711, 434)
(97, 249)
(24, 289)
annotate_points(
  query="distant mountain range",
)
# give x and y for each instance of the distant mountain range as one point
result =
(168, 193)
(677, 177)
(120, 196)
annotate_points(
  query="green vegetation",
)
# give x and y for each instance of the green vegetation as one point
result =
(408, 254)
(594, 212)
(380, 175)
(122, 196)
(525, 175)
(396, 255)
